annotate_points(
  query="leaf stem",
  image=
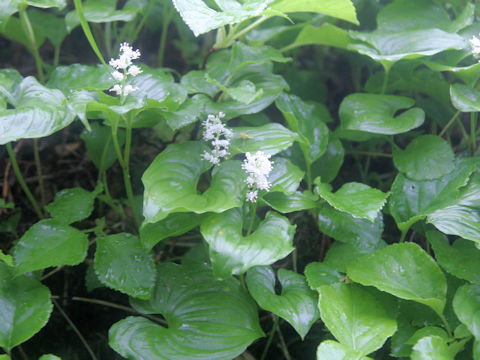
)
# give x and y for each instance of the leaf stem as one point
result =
(385, 79)
(233, 35)
(450, 122)
(473, 125)
(38, 165)
(253, 211)
(167, 17)
(404, 234)
(445, 323)
(270, 337)
(22, 182)
(79, 334)
(370, 153)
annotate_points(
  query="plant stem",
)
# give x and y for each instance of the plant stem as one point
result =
(38, 165)
(385, 79)
(167, 17)
(370, 153)
(253, 211)
(79, 334)
(22, 182)
(445, 323)
(473, 125)
(404, 234)
(450, 122)
(283, 345)
(232, 36)
(270, 337)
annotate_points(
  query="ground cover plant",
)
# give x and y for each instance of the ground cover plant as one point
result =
(228, 179)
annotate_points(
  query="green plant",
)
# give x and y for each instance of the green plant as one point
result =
(304, 164)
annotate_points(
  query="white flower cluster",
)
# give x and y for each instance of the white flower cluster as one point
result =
(258, 167)
(124, 64)
(216, 132)
(475, 44)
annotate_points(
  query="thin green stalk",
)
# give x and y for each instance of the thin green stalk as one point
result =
(369, 153)
(450, 122)
(270, 337)
(141, 22)
(79, 334)
(28, 30)
(22, 182)
(385, 79)
(447, 326)
(108, 38)
(473, 125)
(404, 234)
(167, 17)
(232, 36)
(87, 31)
(56, 56)
(38, 165)
(253, 211)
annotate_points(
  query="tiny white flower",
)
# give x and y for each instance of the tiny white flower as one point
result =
(128, 89)
(475, 45)
(258, 166)
(117, 88)
(252, 196)
(134, 70)
(216, 131)
(117, 75)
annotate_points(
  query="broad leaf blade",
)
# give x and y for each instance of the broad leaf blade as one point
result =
(297, 303)
(207, 318)
(403, 270)
(232, 253)
(465, 98)
(332, 350)
(467, 307)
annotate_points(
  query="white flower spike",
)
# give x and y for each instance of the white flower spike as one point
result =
(123, 67)
(258, 166)
(213, 131)
(475, 44)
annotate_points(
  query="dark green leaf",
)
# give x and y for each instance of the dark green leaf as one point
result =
(403, 270)
(329, 164)
(80, 77)
(467, 307)
(207, 318)
(465, 98)
(122, 263)
(49, 243)
(320, 273)
(341, 9)
(245, 92)
(427, 157)
(340, 255)
(187, 113)
(286, 203)
(171, 183)
(332, 350)
(297, 303)
(233, 253)
(431, 347)
(326, 34)
(355, 317)
(52, 25)
(26, 307)
(285, 177)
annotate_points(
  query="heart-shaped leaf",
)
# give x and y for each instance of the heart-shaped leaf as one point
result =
(432, 347)
(427, 157)
(270, 138)
(233, 253)
(332, 350)
(320, 273)
(467, 307)
(38, 112)
(26, 307)
(245, 92)
(403, 270)
(297, 303)
(173, 225)
(71, 205)
(375, 114)
(80, 77)
(207, 318)
(345, 228)
(465, 98)
(305, 120)
(53, 26)
(355, 317)
(171, 183)
(122, 263)
(340, 255)
(326, 34)
(35, 249)
(359, 200)
(461, 259)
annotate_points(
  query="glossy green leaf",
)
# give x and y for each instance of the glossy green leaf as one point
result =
(189, 112)
(329, 164)
(467, 307)
(427, 157)
(12, 29)
(71, 205)
(53, 26)
(243, 55)
(100, 12)
(173, 225)
(271, 139)
(358, 200)
(38, 112)
(320, 273)
(355, 317)
(427, 331)
(332, 350)
(80, 77)
(403, 270)
(431, 347)
(47, 3)
(8, 8)
(49, 357)
(345, 228)
(201, 18)
(340, 255)
(341, 9)
(232, 253)
(26, 307)
(285, 176)
(413, 200)
(465, 98)
(392, 46)
(326, 34)
(100, 146)
(245, 92)
(461, 259)
(171, 183)
(286, 203)
(297, 303)
(375, 114)
(49, 243)
(207, 318)
(304, 119)
(122, 263)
